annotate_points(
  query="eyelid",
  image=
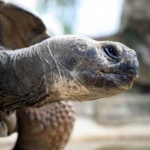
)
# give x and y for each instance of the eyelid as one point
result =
(109, 55)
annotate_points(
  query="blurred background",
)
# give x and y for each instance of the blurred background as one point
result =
(121, 122)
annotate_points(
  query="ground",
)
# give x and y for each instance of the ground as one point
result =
(88, 135)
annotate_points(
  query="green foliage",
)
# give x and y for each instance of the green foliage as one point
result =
(60, 3)
(64, 10)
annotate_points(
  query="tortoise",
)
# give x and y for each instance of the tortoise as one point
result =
(37, 70)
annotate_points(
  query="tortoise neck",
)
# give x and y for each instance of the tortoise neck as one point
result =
(24, 77)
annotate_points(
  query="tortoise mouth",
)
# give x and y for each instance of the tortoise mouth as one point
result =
(122, 81)
(126, 81)
(98, 79)
(131, 77)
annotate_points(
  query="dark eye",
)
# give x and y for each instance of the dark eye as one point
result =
(111, 52)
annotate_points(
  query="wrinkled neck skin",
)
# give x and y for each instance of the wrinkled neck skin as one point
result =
(22, 79)
(33, 76)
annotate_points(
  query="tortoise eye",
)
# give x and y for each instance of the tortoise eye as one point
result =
(111, 52)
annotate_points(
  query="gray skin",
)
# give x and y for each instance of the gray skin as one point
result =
(62, 68)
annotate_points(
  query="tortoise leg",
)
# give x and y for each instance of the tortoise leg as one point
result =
(3, 128)
(8, 124)
(45, 128)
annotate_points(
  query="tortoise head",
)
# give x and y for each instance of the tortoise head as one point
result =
(83, 69)
(93, 69)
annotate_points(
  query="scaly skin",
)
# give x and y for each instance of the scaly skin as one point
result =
(46, 128)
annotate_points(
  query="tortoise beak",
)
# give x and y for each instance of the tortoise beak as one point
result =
(130, 66)
(135, 69)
